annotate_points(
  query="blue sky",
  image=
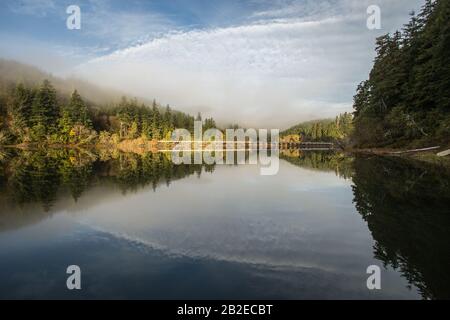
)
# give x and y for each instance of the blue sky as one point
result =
(234, 60)
(116, 24)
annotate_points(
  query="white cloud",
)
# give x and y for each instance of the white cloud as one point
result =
(271, 72)
(247, 73)
(120, 27)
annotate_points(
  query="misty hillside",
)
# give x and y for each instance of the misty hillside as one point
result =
(12, 72)
(323, 129)
(300, 127)
(37, 108)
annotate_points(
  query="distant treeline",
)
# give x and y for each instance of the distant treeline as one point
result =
(323, 130)
(41, 115)
(406, 100)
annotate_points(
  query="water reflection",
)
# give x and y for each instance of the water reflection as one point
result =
(406, 206)
(41, 176)
(301, 227)
(330, 160)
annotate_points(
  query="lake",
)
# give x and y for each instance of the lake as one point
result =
(142, 227)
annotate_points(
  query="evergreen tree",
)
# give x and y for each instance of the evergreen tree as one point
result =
(155, 126)
(79, 110)
(76, 112)
(209, 124)
(20, 110)
(45, 110)
(168, 126)
(406, 99)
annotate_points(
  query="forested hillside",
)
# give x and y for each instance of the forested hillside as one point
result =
(323, 130)
(42, 115)
(13, 72)
(406, 100)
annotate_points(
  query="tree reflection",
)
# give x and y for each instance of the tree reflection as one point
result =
(33, 177)
(338, 162)
(406, 207)
(42, 176)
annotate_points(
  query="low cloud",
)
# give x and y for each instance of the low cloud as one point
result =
(273, 71)
(255, 74)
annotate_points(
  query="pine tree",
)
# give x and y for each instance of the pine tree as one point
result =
(156, 122)
(20, 110)
(146, 125)
(441, 54)
(77, 111)
(406, 97)
(168, 126)
(209, 124)
(45, 110)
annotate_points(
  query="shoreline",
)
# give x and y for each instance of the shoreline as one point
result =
(428, 155)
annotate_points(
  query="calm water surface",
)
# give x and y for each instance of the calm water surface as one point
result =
(140, 227)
